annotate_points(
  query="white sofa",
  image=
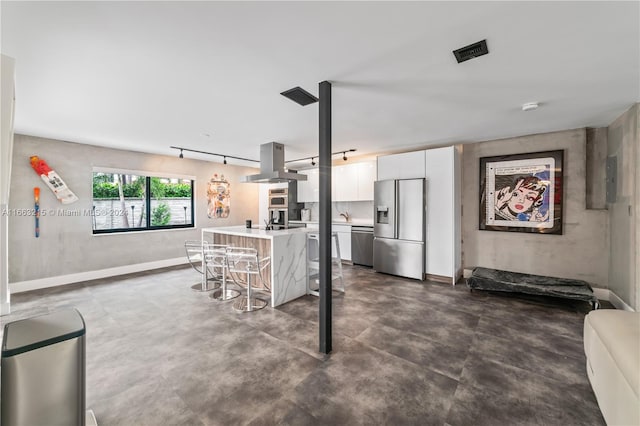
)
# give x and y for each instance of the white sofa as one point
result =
(612, 347)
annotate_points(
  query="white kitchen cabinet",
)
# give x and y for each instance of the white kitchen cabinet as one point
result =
(349, 182)
(443, 251)
(407, 165)
(344, 239)
(366, 177)
(309, 190)
(344, 181)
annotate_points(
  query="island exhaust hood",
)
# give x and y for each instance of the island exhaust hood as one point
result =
(272, 166)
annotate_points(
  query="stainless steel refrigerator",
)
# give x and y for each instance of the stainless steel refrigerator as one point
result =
(399, 227)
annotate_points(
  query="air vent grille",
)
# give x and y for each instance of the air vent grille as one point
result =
(471, 51)
(300, 96)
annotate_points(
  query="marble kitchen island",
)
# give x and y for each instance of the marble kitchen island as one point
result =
(287, 248)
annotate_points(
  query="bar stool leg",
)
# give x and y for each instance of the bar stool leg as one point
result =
(205, 285)
(249, 303)
(339, 262)
(225, 293)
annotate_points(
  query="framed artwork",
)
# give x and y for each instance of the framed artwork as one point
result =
(522, 192)
(218, 197)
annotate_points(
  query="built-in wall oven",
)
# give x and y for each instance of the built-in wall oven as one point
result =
(278, 198)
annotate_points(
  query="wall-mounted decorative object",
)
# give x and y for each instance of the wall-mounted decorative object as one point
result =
(522, 192)
(36, 199)
(53, 181)
(218, 197)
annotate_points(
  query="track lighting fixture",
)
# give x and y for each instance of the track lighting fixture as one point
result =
(224, 156)
(313, 163)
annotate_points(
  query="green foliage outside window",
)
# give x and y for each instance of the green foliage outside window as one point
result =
(121, 202)
(136, 189)
(160, 215)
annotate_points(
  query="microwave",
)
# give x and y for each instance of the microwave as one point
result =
(278, 198)
(278, 202)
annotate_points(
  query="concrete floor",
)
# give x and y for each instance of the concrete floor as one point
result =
(405, 352)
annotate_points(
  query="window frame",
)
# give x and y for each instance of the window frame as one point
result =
(148, 197)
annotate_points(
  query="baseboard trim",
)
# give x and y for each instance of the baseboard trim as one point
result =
(601, 293)
(610, 296)
(459, 274)
(22, 286)
(619, 303)
(439, 278)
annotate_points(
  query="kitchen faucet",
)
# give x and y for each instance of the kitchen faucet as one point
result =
(346, 216)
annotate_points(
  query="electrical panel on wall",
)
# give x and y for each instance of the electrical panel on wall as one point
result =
(612, 179)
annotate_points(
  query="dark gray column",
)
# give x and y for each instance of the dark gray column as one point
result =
(324, 161)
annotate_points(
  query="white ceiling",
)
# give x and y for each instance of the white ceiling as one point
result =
(147, 75)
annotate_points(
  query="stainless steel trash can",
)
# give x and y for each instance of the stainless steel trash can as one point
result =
(43, 370)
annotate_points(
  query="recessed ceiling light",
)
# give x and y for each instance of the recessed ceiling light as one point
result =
(530, 106)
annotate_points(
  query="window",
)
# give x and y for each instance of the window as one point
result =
(125, 202)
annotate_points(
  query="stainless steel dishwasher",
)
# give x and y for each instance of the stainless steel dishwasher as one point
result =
(362, 245)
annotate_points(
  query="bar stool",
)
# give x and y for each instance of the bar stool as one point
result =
(245, 261)
(313, 263)
(194, 250)
(215, 257)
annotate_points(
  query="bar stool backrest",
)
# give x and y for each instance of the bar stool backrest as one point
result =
(244, 260)
(194, 254)
(215, 255)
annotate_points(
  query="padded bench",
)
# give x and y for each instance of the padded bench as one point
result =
(497, 280)
(612, 347)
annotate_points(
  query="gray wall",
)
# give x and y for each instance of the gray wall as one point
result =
(67, 245)
(623, 143)
(596, 168)
(580, 253)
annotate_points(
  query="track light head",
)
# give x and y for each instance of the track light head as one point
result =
(313, 163)
(181, 154)
(225, 160)
(344, 156)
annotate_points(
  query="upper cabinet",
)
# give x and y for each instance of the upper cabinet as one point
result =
(344, 182)
(349, 182)
(309, 189)
(407, 165)
(366, 178)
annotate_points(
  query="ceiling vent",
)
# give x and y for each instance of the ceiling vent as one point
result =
(471, 51)
(300, 96)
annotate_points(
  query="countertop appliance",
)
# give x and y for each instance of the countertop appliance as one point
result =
(399, 227)
(279, 217)
(362, 245)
